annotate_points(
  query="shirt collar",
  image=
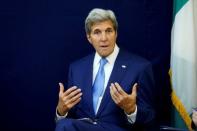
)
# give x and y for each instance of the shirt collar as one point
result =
(110, 59)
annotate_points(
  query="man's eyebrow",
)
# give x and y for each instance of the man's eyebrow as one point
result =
(96, 30)
(109, 28)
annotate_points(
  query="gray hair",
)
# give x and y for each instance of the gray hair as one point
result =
(100, 15)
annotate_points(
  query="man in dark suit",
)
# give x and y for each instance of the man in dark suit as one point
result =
(108, 90)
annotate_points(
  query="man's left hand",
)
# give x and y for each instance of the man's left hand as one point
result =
(125, 101)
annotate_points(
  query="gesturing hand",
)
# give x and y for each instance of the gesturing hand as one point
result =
(68, 98)
(194, 117)
(125, 101)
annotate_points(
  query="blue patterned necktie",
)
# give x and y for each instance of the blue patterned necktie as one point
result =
(99, 83)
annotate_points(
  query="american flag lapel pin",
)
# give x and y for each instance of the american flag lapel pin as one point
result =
(124, 66)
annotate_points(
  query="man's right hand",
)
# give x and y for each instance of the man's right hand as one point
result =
(68, 99)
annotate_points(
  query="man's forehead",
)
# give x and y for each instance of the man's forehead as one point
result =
(102, 25)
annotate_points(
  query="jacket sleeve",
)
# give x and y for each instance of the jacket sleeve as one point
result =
(145, 96)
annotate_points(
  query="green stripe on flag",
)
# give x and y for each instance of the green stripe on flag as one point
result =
(177, 5)
(177, 120)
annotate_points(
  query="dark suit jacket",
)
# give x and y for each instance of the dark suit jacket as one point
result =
(128, 69)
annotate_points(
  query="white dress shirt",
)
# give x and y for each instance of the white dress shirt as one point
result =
(107, 69)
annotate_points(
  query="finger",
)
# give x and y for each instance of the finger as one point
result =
(134, 90)
(71, 89)
(61, 91)
(114, 97)
(73, 93)
(119, 88)
(75, 102)
(115, 91)
(74, 98)
(70, 105)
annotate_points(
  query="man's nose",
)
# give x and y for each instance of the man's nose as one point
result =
(103, 36)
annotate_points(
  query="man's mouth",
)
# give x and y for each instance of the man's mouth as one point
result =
(104, 46)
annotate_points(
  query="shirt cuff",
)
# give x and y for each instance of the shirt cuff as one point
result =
(59, 117)
(132, 117)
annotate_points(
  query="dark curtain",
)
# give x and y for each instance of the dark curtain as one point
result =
(39, 38)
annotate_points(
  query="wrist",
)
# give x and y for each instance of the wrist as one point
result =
(60, 112)
(131, 110)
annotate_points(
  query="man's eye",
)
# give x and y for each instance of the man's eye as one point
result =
(97, 32)
(109, 30)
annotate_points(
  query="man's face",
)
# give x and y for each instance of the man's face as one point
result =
(103, 37)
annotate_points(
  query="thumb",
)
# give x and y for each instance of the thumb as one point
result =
(134, 90)
(61, 88)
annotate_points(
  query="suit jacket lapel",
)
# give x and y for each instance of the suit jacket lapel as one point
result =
(117, 74)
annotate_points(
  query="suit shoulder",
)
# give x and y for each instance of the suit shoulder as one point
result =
(135, 58)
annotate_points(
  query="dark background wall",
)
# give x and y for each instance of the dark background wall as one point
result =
(39, 38)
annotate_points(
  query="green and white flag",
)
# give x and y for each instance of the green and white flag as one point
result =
(184, 59)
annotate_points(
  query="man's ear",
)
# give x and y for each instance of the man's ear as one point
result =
(89, 38)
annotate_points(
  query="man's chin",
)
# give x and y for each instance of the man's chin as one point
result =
(104, 54)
